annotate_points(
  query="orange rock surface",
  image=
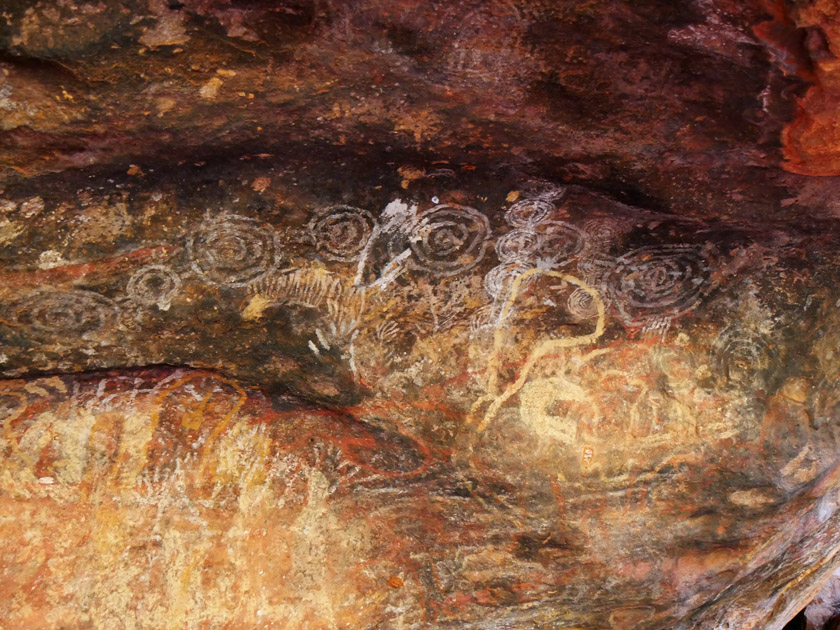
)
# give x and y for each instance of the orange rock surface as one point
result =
(812, 139)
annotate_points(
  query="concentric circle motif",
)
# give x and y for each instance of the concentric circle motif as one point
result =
(744, 359)
(342, 232)
(560, 243)
(658, 281)
(232, 251)
(447, 241)
(528, 213)
(605, 231)
(518, 246)
(75, 313)
(547, 191)
(499, 279)
(581, 305)
(154, 285)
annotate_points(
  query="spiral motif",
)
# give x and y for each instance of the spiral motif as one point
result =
(75, 313)
(658, 281)
(547, 191)
(498, 280)
(744, 359)
(604, 231)
(581, 305)
(232, 251)
(448, 241)
(518, 246)
(341, 232)
(528, 213)
(560, 243)
(154, 285)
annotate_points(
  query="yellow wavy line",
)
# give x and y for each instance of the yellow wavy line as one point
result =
(541, 351)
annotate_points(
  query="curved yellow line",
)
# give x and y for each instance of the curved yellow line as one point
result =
(542, 350)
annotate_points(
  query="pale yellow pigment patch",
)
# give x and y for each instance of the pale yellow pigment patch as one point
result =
(553, 407)
(750, 498)
(9, 231)
(169, 30)
(210, 90)
(795, 390)
(255, 307)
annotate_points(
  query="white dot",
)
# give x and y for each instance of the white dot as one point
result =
(435, 200)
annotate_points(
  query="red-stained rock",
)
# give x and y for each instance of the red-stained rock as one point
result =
(812, 143)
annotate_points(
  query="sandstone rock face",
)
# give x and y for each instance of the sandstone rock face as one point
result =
(397, 315)
(812, 145)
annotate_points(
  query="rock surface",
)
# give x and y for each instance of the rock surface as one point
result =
(407, 314)
(812, 144)
(822, 613)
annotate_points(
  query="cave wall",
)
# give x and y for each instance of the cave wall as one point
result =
(477, 314)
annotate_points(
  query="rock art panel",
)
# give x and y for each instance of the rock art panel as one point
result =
(402, 315)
